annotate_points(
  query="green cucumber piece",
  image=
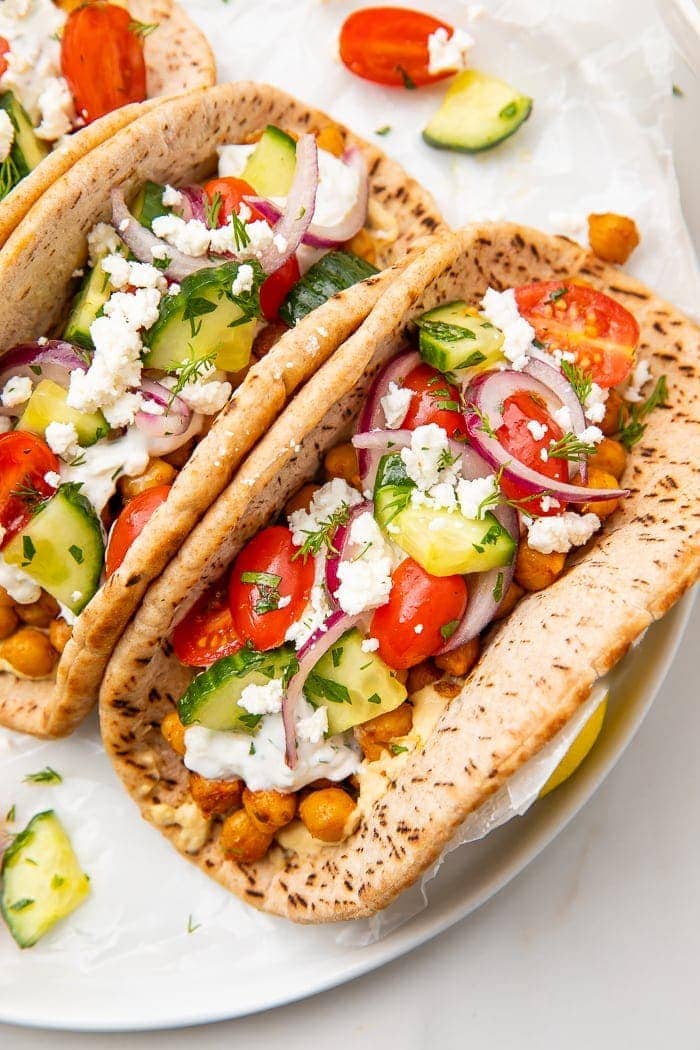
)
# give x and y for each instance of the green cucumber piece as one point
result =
(455, 338)
(271, 165)
(62, 548)
(148, 204)
(477, 113)
(87, 305)
(42, 880)
(333, 273)
(212, 697)
(205, 318)
(49, 404)
(354, 686)
(27, 150)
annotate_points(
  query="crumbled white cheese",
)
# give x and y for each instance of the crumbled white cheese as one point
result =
(591, 435)
(32, 30)
(263, 699)
(102, 240)
(57, 111)
(448, 53)
(562, 417)
(122, 273)
(395, 404)
(426, 460)
(562, 532)
(313, 728)
(365, 580)
(52, 478)
(62, 438)
(471, 494)
(369, 645)
(326, 502)
(544, 455)
(538, 430)
(317, 611)
(207, 397)
(20, 587)
(639, 378)
(418, 629)
(16, 391)
(548, 503)
(501, 309)
(191, 237)
(7, 135)
(594, 406)
(244, 279)
(171, 198)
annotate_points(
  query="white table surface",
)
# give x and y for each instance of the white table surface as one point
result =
(596, 943)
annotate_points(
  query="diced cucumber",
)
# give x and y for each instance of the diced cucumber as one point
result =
(42, 880)
(477, 113)
(211, 699)
(354, 686)
(27, 150)
(333, 273)
(148, 204)
(62, 548)
(49, 404)
(442, 541)
(87, 305)
(271, 165)
(456, 338)
(205, 318)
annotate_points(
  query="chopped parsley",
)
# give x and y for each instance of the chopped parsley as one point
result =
(142, 29)
(631, 425)
(337, 655)
(319, 688)
(192, 926)
(10, 815)
(268, 583)
(21, 905)
(76, 553)
(57, 881)
(448, 629)
(498, 589)
(555, 295)
(383, 130)
(448, 333)
(398, 749)
(375, 698)
(28, 550)
(408, 82)
(508, 111)
(197, 307)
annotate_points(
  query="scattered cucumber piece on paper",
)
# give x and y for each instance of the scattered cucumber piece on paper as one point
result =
(477, 113)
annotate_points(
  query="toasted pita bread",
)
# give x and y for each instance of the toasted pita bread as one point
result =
(176, 142)
(178, 58)
(537, 666)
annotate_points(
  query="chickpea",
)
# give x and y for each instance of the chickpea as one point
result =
(363, 245)
(39, 613)
(510, 600)
(215, 796)
(374, 736)
(421, 675)
(174, 732)
(341, 462)
(59, 634)
(8, 620)
(534, 571)
(241, 840)
(610, 423)
(158, 472)
(331, 139)
(269, 810)
(179, 457)
(610, 456)
(612, 237)
(600, 479)
(301, 500)
(29, 652)
(401, 674)
(461, 660)
(325, 813)
(5, 598)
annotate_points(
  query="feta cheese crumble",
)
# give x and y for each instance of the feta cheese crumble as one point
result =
(263, 699)
(16, 391)
(448, 53)
(562, 532)
(326, 502)
(102, 240)
(471, 494)
(62, 438)
(171, 198)
(501, 309)
(191, 237)
(428, 459)
(369, 645)
(365, 580)
(538, 430)
(639, 378)
(594, 406)
(244, 279)
(395, 404)
(7, 135)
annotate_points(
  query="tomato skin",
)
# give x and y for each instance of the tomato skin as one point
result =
(376, 43)
(431, 390)
(518, 411)
(4, 50)
(598, 330)
(131, 522)
(24, 462)
(207, 632)
(102, 59)
(416, 598)
(275, 288)
(271, 551)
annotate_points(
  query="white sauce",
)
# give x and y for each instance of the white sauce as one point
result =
(31, 28)
(98, 466)
(20, 587)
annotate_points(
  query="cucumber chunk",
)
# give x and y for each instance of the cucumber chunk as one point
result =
(49, 404)
(331, 274)
(62, 548)
(477, 113)
(42, 881)
(352, 685)
(442, 541)
(27, 150)
(455, 338)
(271, 165)
(205, 318)
(93, 294)
(212, 697)
(148, 204)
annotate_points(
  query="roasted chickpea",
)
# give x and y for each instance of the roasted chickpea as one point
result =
(5, 598)
(610, 423)
(363, 244)
(325, 813)
(8, 620)
(174, 732)
(242, 840)
(29, 652)
(510, 600)
(301, 500)
(534, 571)
(421, 675)
(215, 796)
(39, 613)
(331, 139)
(610, 456)
(600, 479)
(270, 810)
(341, 462)
(460, 660)
(374, 736)
(179, 457)
(59, 634)
(158, 472)
(612, 237)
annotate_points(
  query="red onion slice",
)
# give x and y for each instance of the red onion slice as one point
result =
(372, 416)
(344, 546)
(194, 204)
(162, 443)
(175, 418)
(299, 210)
(561, 386)
(55, 359)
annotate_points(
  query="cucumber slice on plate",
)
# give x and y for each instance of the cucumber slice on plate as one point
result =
(477, 113)
(333, 273)
(27, 150)
(62, 548)
(456, 338)
(271, 165)
(42, 881)
(49, 404)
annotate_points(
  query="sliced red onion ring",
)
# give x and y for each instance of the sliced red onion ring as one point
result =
(344, 546)
(382, 440)
(175, 418)
(299, 210)
(141, 242)
(194, 204)
(561, 386)
(54, 359)
(372, 416)
(161, 439)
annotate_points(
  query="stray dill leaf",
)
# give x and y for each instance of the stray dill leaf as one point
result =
(212, 209)
(508, 111)
(240, 234)
(142, 29)
(189, 372)
(631, 427)
(570, 447)
(498, 589)
(10, 815)
(555, 295)
(398, 749)
(57, 881)
(44, 776)
(448, 629)
(192, 926)
(581, 381)
(677, 91)
(76, 554)
(323, 536)
(21, 905)
(408, 82)
(383, 130)
(485, 427)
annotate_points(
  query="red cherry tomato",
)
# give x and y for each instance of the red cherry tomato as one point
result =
(602, 334)
(252, 601)
(417, 599)
(519, 410)
(131, 522)
(102, 59)
(4, 50)
(389, 45)
(274, 290)
(25, 460)
(207, 632)
(432, 402)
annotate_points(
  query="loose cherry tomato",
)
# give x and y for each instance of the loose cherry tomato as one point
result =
(4, 50)
(131, 522)
(274, 290)
(25, 460)
(435, 401)
(264, 572)
(389, 45)
(207, 632)
(231, 192)
(102, 59)
(602, 334)
(519, 410)
(417, 600)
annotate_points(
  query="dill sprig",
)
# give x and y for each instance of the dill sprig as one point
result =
(322, 537)
(581, 381)
(630, 425)
(570, 447)
(189, 372)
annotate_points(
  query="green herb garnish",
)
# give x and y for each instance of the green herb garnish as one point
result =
(323, 536)
(631, 429)
(44, 776)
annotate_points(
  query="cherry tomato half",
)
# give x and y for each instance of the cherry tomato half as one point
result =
(518, 411)
(25, 460)
(207, 632)
(275, 288)
(102, 59)
(602, 334)
(131, 523)
(4, 50)
(417, 600)
(389, 45)
(435, 401)
(264, 572)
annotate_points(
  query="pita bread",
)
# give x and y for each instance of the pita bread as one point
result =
(176, 142)
(178, 58)
(537, 666)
